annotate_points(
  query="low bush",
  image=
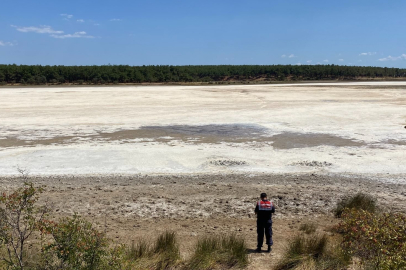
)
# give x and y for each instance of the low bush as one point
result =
(73, 243)
(378, 240)
(313, 252)
(219, 252)
(359, 201)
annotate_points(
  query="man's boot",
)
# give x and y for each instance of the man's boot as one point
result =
(269, 249)
(258, 250)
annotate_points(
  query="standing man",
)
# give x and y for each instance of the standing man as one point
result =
(264, 211)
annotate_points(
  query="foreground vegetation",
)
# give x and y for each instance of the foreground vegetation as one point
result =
(75, 244)
(364, 236)
(367, 237)
(314, 251)
(39, 75)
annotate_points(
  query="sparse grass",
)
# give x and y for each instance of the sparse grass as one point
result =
(308, 228)
(219, 252)
(313, 252)
(359, 201)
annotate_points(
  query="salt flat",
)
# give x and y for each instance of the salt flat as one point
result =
(351, 128)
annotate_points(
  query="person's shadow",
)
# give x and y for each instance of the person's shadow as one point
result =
(251, 251)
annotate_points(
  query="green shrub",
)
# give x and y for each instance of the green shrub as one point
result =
(312, 252)
(378, 240)
(115, 259)
(214, 252)
(308, 228)
(358, 201)
(74, 244)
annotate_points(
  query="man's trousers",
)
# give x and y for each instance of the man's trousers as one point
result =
(264, 227)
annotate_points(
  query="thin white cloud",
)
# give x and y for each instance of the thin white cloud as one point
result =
(393, 58)
(308, 61)
(43, 29)
(367, 53)
(115, 20)
(81, 34)
(291, 56)
(325, 60)
(67, 16)
(283, 55)
(299, 64)
(341, 60)
(96, 24)
(80, 21)
(6, 43)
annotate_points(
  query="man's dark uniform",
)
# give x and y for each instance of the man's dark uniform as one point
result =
(264, 211)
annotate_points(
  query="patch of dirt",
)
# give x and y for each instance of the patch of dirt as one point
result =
(204, 196)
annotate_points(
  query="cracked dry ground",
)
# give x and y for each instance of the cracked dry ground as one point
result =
(130, 207)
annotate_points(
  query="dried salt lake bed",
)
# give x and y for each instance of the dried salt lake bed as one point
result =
(194, 159)
(346, 128)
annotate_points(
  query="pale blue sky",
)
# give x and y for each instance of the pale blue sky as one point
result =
(192, 32)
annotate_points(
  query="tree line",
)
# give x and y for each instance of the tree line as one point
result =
(107, 74)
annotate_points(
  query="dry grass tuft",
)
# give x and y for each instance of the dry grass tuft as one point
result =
(313, 252)
(359, 201)
(308, 228)
(219, 252)
(163, 255)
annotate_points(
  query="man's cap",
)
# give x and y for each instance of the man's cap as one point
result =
(263, 195)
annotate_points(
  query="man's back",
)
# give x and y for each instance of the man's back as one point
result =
(264, 210)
